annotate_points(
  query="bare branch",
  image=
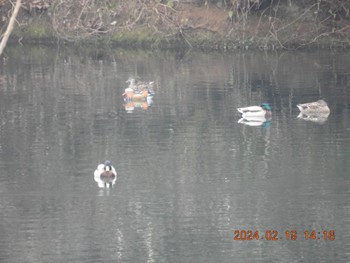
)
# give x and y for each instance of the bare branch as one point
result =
(10, 27)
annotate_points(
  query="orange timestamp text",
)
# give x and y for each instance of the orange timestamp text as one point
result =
(274, 235)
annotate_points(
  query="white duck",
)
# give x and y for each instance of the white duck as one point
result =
(264, 110)
(105, 175)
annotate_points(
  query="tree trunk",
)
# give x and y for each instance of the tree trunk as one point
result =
(10, 27)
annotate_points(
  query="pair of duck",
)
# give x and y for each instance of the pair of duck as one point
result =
(140, 91)
(262, 113)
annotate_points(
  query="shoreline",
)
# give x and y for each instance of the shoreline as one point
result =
(183, 26)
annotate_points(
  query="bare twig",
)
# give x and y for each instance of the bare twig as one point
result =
(325, 34)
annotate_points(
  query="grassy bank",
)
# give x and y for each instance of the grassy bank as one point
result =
(158, 25)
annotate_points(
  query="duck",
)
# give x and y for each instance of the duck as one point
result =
(138, 92)
(264, 110)
(319, 106)
(132, 83)
(105, 174)
(129, 92)
(141, 95)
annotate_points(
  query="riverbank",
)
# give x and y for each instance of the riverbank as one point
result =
(182, 24)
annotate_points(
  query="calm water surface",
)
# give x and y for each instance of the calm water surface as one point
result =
(189, 175)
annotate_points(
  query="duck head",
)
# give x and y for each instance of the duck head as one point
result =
(266, 106)
(108, 166)
(131, 81)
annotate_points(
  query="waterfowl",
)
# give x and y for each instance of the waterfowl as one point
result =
(319, 106)
(129, 93)
(137, 87)
(138, 92)
(130, 90)
(264, 110)
(148, 86)
(132, 83)
(105, 174)
(141, 95)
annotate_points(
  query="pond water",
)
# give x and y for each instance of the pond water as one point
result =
(191, 178)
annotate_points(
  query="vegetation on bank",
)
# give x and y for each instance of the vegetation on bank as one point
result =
(213, 24)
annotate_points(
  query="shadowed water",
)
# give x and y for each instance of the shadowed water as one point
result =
(189, 174)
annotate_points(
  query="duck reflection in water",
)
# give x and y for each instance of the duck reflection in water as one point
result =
(258, 116)
(317, 111)
(105, 175)
(138, 95)
(319, 118)
(256, 122)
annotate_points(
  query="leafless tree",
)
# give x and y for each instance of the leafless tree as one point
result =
(10, 27)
